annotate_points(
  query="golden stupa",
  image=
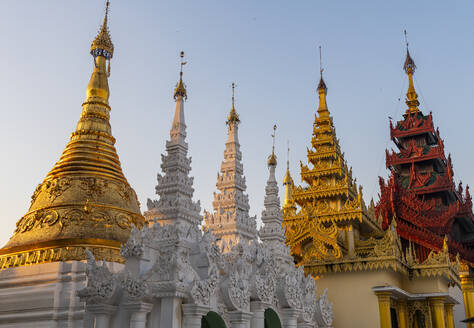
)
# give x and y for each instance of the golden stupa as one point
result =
(85, 201)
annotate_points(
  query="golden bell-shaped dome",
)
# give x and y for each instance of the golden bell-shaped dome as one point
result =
(85, 201)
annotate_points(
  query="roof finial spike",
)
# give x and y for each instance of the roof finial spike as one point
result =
(233, 116)
(180, 90)
(233, 93)
(183, 62)
(409, 67)
(287, 180)
(321, 86)
(273, 137)
(288, 156)
(321, 69)
(272, 158)
(406, 39)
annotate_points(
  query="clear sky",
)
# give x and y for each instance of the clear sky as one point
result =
(269, 48)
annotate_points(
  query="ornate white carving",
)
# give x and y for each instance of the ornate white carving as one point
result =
(134, 288)
(134, 245)
(230, 218)
(101, 283)
(324, 313)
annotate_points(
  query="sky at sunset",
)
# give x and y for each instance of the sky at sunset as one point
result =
(268, 48)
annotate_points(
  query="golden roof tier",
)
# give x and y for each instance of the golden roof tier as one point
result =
(85, 201)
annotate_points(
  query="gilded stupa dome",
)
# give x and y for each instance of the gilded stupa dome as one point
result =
(85, 201)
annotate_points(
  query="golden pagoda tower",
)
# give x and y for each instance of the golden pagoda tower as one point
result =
(331, 210)
(85, 201)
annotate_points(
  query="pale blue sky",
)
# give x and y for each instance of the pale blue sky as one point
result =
(269, 48)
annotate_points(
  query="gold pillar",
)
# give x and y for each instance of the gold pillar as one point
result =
(467, 287)
(403, 314)
(384, 309)
(449, 315)
(437, 312)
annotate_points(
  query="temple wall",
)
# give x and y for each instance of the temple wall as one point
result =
(44, 295)
(425, 285)
(354, 303)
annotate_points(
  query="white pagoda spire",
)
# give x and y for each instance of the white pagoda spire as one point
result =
(272, 233)
(230, 220)
(175, 186)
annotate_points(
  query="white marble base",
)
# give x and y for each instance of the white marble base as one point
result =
(44, 295)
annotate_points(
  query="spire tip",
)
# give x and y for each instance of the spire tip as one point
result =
(233, 116)
(272, 161)
(180, 90)
(102, 44)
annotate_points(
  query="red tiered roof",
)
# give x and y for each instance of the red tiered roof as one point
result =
(415, 153)
(420, 192)
(412, 125)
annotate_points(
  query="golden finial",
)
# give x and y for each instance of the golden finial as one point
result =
(180, 90)
(102, 44)
(287, 179)
(272, 161)
(233, 116)
(321, 85)
(322, 89)
(409, 68)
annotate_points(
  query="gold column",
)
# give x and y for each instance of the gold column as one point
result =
(403, 314)
(467, 287)
(437, 312)
(449, 315)
(384, 309)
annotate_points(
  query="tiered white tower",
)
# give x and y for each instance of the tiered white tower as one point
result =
(175, 186)
(272, 233)
(230, 221)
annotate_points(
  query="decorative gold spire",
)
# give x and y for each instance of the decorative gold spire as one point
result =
(233, 117)
(409, 67)
(85, 201)
(102, 44)
(288, 183)
(272, 160)
(322, 89)
(180, 90)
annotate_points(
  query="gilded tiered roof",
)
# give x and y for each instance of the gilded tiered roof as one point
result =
(330, 199)
(85, 201)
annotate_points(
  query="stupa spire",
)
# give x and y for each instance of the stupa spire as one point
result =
(272, 232)
(175, 186)
(409, 67)
(85, 201)
(230, 220)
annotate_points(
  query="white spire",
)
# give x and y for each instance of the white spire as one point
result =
(175, 186)
(230, 220)
(272, 232)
